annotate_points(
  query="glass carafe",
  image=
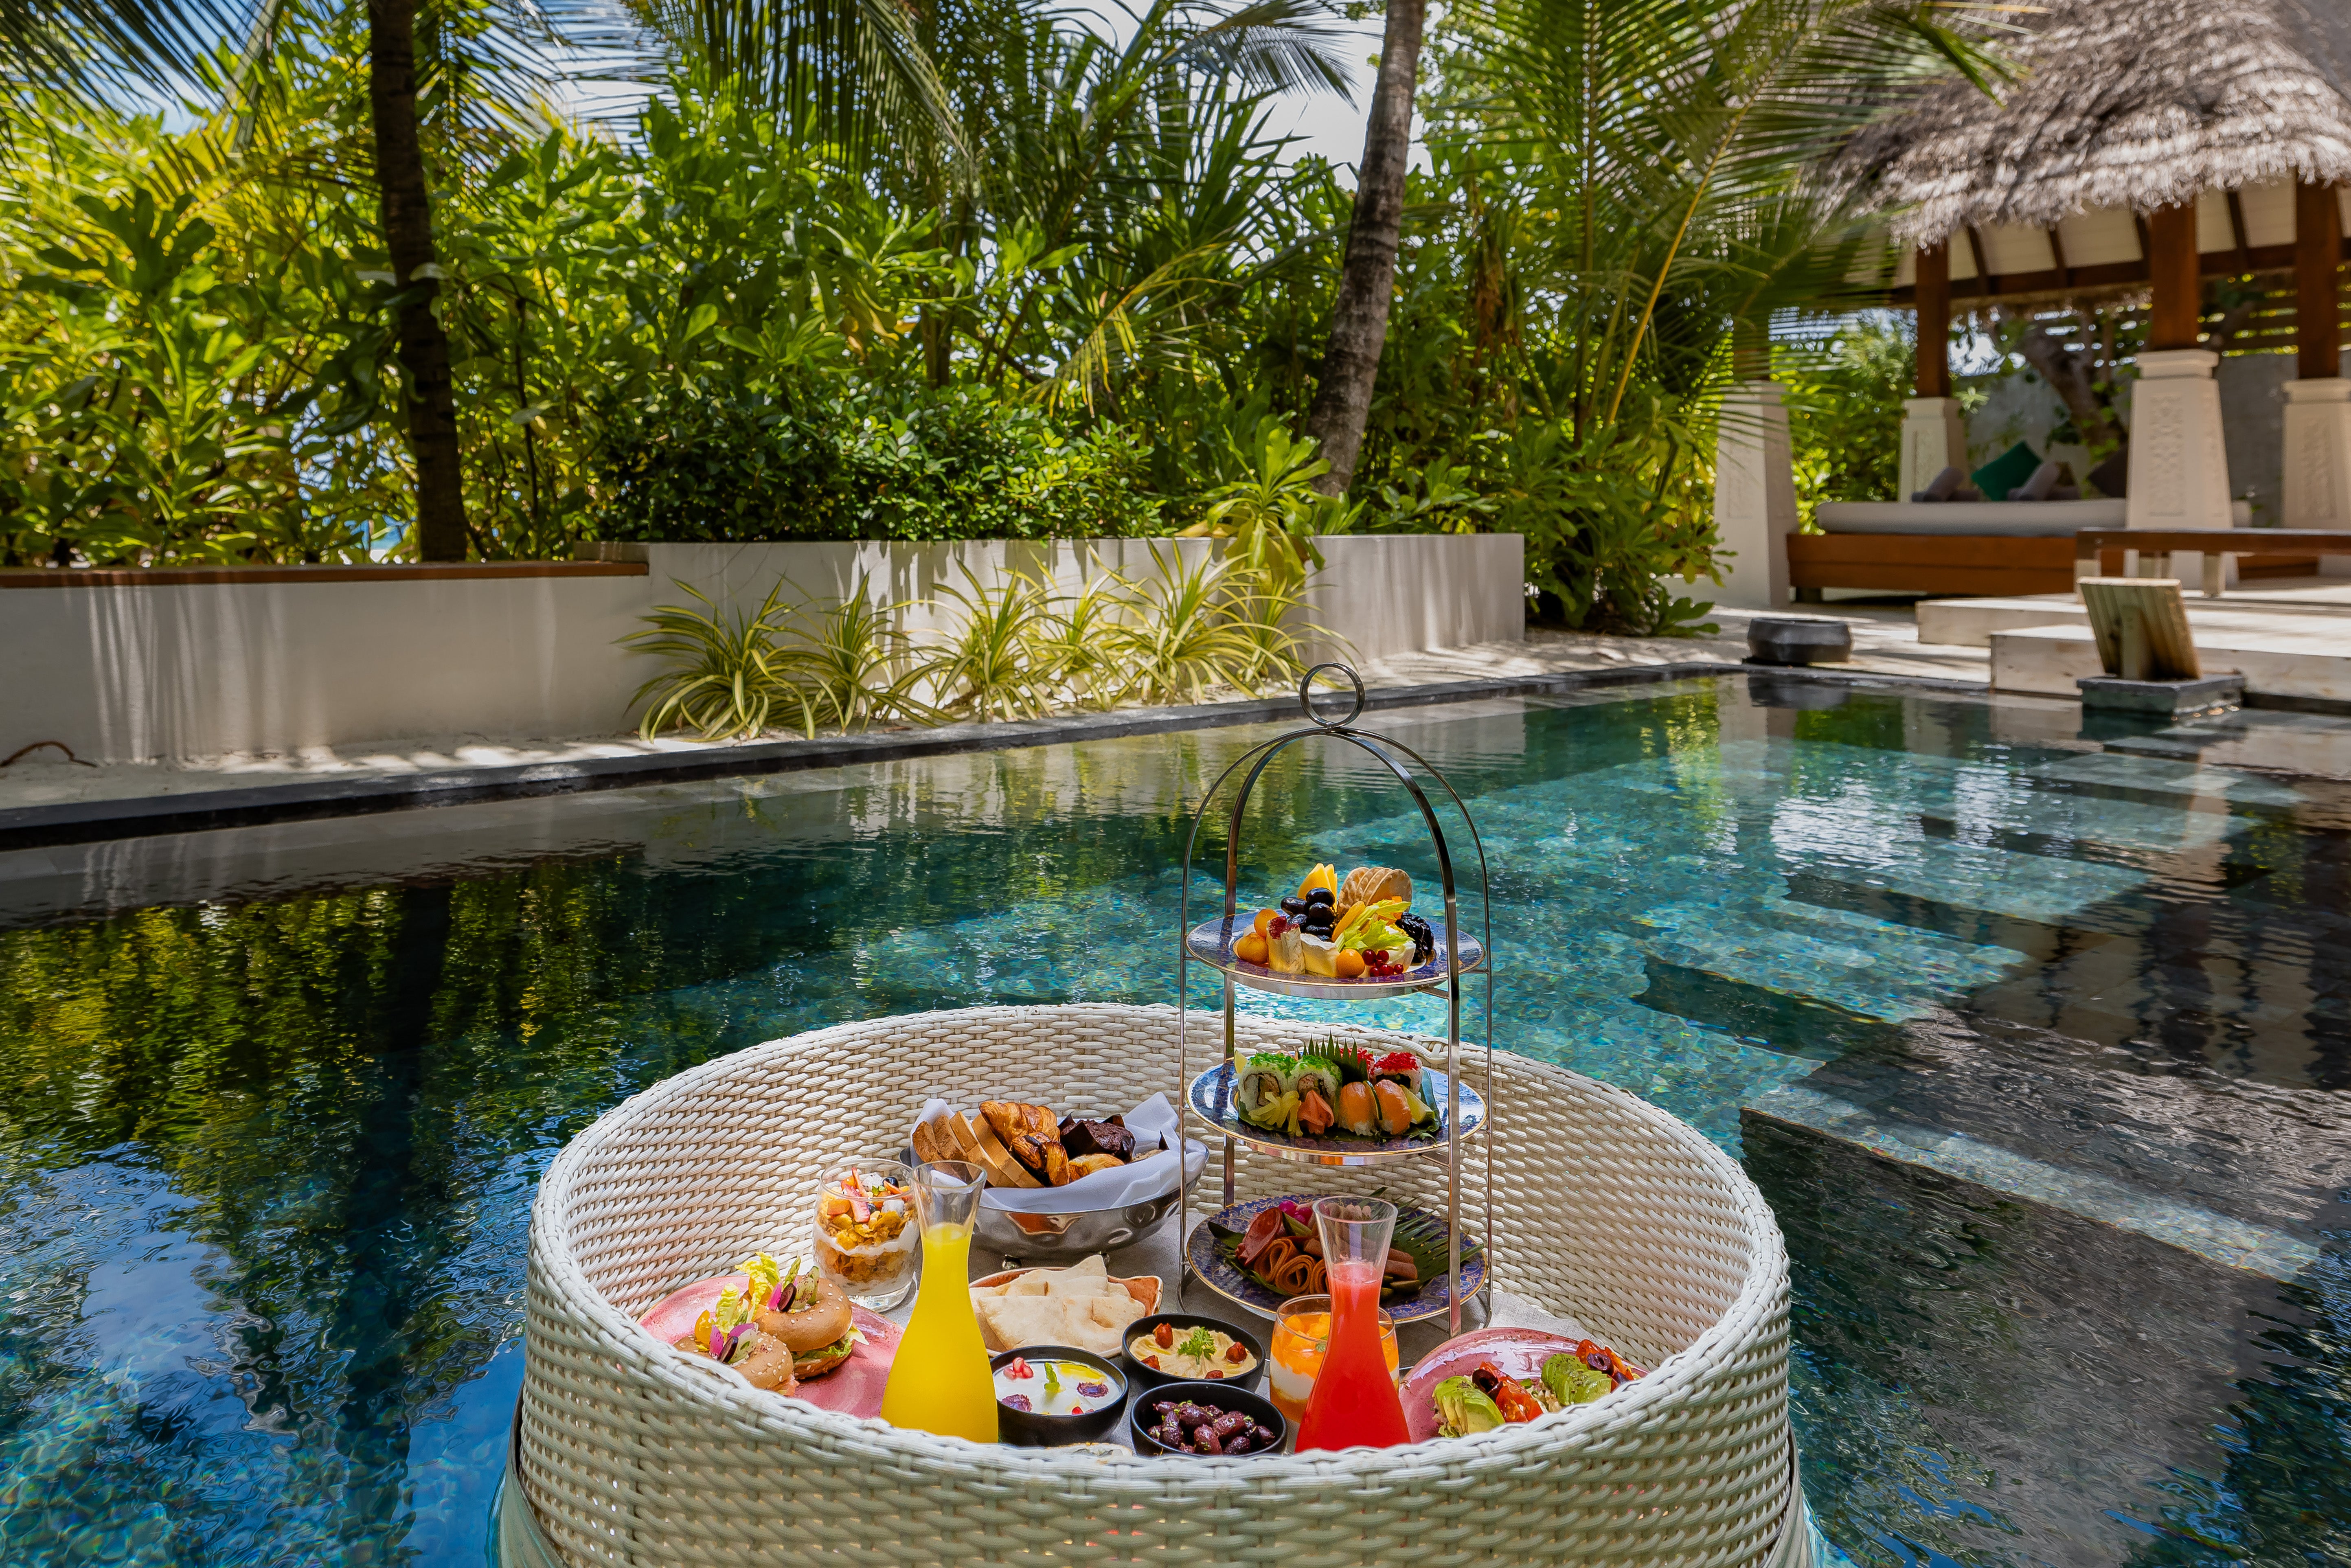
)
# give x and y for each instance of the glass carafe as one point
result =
(1355, 1403)
(940, 1381)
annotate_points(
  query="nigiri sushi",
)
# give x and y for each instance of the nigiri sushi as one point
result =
(1400, 1109)
(1356, 1113)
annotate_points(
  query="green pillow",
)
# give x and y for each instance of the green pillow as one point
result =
(2005, 472)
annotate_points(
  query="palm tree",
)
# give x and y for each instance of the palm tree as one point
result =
(408, 236)
(1359, 318)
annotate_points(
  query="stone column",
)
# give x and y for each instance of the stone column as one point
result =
(1754, 497)
(1934, 430)
(2178, 471)
(1934, 438)
(2318, 405)
(2318, 462)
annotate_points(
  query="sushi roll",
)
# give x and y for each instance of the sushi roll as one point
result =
(1319, 1073)
(1266, 1076)
(1356, 1113)
(1398, 1067)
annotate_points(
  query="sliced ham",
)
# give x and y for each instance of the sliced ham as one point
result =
(1263, 1231)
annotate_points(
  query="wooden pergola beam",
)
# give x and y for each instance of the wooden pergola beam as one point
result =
(2317, 281)
(2175, 323)
(1933, 295)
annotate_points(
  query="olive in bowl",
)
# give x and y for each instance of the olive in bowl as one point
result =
(1206, 1421)
(1185, 1347)
(1048, 1394)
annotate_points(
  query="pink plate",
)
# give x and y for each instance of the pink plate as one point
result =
(853, 1389)
(1518, 1352)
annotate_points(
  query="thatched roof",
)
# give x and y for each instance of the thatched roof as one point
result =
(2123, 104)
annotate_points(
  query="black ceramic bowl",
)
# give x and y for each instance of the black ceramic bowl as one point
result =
(1142, 1379)
(1033, 1429)
(1142, 1415)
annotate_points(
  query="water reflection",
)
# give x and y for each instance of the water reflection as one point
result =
(268, 1136)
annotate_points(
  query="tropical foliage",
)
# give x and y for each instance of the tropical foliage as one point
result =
(980, 268)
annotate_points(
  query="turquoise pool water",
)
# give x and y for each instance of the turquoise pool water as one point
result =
(2040, 1050)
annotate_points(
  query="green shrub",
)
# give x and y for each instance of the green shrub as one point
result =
(825, 463)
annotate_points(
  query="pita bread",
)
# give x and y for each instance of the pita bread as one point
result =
(1090, 1320)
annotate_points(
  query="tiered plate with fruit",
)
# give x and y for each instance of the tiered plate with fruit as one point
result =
(1350, 939)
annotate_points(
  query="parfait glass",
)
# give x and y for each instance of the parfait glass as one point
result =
(1355, 1403)
(1302, 1338)
(871, 1259)
(940, 1380)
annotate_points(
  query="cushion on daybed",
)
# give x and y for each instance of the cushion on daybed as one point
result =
(2005, 472)
(2025, 519)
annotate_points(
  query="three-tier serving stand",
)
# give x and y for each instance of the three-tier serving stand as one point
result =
(1456, 956)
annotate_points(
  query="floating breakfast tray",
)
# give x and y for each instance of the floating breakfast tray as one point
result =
(1211, 943)
(1211, 1094)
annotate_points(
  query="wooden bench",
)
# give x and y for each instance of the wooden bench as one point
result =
(2281, 552)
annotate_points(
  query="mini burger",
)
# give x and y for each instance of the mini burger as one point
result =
(779, 1331)
(807, 1313)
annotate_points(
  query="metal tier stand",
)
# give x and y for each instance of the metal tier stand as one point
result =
(1456, 955)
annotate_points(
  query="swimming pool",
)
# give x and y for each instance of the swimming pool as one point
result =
(2040, 1050)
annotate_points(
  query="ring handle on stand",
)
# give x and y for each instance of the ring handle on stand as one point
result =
(1306, 696)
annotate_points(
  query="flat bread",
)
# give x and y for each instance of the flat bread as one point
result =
(1090, 1319)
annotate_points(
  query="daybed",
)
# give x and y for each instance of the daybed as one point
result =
(2007, 548)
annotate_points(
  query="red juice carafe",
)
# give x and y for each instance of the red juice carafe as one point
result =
(1355, 1403)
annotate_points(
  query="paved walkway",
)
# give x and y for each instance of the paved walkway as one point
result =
(1884, 642)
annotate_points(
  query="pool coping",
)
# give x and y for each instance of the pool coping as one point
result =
(141, 816)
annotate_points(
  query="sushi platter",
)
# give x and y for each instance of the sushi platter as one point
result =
(1362, 935)
(1268, 1079)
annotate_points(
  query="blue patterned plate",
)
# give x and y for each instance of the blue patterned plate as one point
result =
(1417, 1231)
(1213, 1102)
(1211, 943)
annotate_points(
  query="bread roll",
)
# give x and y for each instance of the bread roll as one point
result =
(1371, 883)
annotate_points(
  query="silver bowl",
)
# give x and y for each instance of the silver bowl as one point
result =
(1065, 1237)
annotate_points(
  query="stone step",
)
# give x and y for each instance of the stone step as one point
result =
(1970, 623)
(2308, 659)
(2232, 1242)
(1867, 967)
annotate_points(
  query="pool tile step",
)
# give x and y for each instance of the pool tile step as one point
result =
(2218, 1238)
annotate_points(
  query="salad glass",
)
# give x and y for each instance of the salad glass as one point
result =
(872, 1261)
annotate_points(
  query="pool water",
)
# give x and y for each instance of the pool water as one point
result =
(2040, 1050)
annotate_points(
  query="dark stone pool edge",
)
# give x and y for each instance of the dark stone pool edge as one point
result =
(89, 821)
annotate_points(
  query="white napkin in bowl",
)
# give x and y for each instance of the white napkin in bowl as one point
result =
(1129, 1184)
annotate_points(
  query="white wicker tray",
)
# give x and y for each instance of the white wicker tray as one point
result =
(1607, 1209)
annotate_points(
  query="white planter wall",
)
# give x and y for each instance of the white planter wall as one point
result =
(159, 671)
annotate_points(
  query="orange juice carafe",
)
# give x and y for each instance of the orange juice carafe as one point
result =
(1355, 1403)
(940, 1381)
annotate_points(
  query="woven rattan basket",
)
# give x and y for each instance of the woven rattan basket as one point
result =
(1605, 1208)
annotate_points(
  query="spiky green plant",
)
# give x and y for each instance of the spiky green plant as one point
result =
(1079, 641)
(1000, 662)
(732, 678)
(1181, 637)
(856, 667)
